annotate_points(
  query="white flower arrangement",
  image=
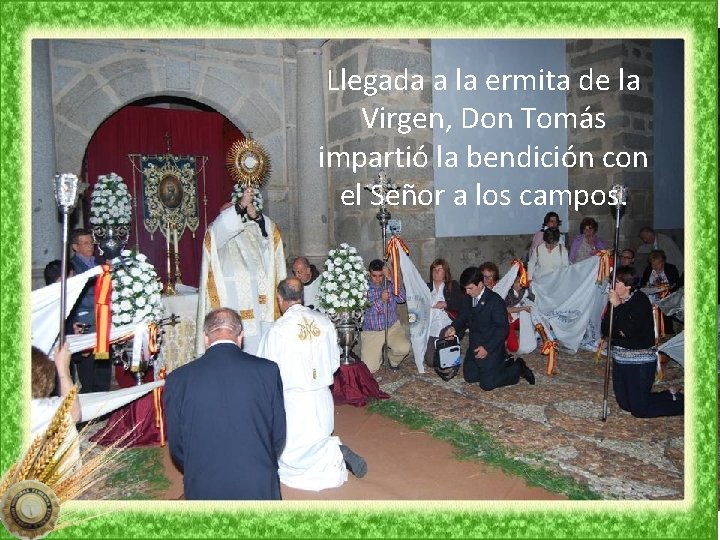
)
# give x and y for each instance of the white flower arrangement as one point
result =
(343, 283)
(110, 202)
(237, 194)
(136, 290)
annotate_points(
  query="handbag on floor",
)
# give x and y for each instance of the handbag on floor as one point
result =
(447, 358)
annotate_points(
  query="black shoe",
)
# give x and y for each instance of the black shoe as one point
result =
(525, 372)
(356, 464)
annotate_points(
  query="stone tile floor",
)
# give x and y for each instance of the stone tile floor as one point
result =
(557, 423)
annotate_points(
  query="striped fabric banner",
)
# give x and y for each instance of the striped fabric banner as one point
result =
(103, 295)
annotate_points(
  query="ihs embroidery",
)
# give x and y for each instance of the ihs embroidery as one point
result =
(308, 329)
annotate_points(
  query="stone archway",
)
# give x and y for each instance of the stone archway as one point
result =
(78, 84)
(94, 79)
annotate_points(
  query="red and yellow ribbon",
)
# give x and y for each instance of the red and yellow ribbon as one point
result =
(392, 253)
(153, 345)
(157, 402)
(605, 265)
(549, 348)
(598, 353)
(522, 274)
(660, 323)
(103, 295)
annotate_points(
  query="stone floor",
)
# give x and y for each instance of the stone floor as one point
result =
(557, 423)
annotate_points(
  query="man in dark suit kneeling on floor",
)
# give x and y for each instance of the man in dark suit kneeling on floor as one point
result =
(486, 317)
(226, 417)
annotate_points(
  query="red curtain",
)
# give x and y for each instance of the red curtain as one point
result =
(141, 130)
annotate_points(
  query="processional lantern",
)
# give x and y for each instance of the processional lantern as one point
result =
(620, 192)
(66, 195)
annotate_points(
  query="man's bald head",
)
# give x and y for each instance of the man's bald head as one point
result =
(290, 292)
(222, 323)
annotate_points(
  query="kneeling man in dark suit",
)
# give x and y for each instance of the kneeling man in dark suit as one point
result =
(225, 417)
(484, 313)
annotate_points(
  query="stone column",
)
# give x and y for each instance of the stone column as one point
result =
(46, 227)
(311, 178)
(629, 122)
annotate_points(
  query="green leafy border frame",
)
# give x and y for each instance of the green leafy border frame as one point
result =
(695, 516)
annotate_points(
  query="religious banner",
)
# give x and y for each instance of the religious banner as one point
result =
(169, 193)
(170, 203)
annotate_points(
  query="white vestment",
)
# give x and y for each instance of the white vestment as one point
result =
(240, 270)
(303, 343)
(311, 294)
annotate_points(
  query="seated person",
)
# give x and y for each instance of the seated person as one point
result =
(627, 258)
(587, 243)
(664, 276)
(652, 241)
(447, 298)
(43, 375)
(485, 316)
(382, 314)
(633, 353)
(547, 257)
(660, 274)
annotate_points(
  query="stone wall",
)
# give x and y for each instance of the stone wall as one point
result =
(629, 127)
(348, 132)
(254, 83)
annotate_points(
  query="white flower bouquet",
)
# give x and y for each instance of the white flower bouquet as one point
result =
(343, 283)
(110, 202)
(136, 290)
(237, 194)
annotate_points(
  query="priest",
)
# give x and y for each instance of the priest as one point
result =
(303, 343)
(243, 261)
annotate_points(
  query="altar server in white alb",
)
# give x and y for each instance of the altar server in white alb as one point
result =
(243, 261)
(303, 343)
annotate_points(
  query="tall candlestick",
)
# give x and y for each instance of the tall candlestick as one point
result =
(169, 286)
(177, 258)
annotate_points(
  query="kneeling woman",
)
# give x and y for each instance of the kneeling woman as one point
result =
(634, 358)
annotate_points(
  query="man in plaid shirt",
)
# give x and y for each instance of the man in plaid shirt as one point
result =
(383, 304)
